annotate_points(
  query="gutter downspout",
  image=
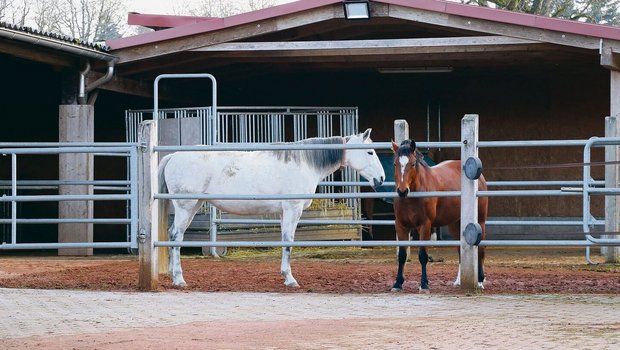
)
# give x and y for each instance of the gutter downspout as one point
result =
(85, 90)
(82, 87)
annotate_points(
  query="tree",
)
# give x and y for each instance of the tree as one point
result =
(219, 8)
(259, 4)
(44, 13)
(90, 20)
(591, 11)
(86, 20)
(14, 11)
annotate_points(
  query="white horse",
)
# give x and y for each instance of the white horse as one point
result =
(258, 173)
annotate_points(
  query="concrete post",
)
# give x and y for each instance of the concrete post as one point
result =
(401, 131)
(76, 124)
(469, 203)
(612, 179)
(148, 278)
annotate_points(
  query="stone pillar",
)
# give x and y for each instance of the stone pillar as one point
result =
(76, 124)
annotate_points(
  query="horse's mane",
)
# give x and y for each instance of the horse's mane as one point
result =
(407, 148)
(318, 159)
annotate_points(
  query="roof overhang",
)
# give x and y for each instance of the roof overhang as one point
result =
(401, 33)
(46, 50)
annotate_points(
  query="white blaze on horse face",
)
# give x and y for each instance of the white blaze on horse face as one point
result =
(403, 160)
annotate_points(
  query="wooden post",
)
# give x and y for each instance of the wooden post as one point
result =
(469, 203)
(147, 232)
(612, 179)
(76, 124)
(401, 133)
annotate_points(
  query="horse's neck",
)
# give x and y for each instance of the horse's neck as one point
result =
(327, 171)
(424, 181)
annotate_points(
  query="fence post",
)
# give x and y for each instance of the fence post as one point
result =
(469, 203)
(148, 278)
(401, 131)
(611, 253)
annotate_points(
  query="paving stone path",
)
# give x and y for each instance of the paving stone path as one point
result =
(65, 319)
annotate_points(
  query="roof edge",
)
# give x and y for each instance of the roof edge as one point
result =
(543, 23)
(163, 21)
(218, 23)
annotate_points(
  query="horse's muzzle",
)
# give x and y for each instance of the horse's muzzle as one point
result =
(402, 194)
(376, 182)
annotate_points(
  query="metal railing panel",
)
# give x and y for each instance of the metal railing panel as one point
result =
(16, 187)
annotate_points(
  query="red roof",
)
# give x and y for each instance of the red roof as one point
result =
(164, 21)
(184, 27)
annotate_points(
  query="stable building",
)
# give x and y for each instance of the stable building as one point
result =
(429, 62)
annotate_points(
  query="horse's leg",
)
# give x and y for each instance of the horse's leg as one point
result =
(402, 234)
(481, 253)
(288, 225)
(184, 211)
(454, 230)
(425, 235)
(368, 206)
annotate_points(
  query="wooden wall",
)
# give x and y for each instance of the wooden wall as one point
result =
(513, 104)
(519, 103)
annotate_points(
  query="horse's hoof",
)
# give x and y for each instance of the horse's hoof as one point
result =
(457, 283)
(480, 285)
(424, 290)
(396, 290)
(179, 285)
(292, 284)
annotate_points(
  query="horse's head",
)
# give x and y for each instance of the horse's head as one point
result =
(365, 161)
(406, 161)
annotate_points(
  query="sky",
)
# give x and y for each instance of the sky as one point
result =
(164, 7)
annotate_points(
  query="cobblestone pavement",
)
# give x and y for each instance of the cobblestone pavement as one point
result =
(66, 319)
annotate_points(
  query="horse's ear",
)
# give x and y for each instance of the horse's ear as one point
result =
(394, 147)
(413, 146)
(366, 134)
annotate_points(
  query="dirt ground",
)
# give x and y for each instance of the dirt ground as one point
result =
(334, 270)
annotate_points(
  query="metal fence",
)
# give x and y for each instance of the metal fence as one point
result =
(253, 126)
(468, 198)
(18, 191)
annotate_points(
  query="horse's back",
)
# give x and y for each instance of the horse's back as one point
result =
(238, 173)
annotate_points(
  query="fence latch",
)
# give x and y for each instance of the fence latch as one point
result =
(142, 236)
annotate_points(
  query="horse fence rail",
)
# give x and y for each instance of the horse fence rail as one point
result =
(14, 189)
(585, 187)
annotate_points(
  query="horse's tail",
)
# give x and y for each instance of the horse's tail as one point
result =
(163, 188)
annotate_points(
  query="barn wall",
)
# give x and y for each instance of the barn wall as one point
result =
(30, 99)
(513, 104)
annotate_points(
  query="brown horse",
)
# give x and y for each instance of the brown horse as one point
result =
(412, 173)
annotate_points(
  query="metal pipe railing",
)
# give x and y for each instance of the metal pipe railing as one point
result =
(54, 148)
(275, 244)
